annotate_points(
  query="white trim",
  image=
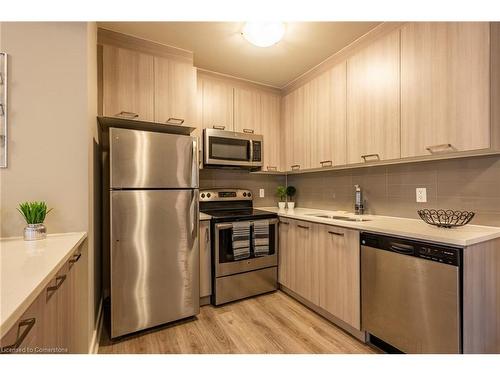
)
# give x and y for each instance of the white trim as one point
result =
(96, 336)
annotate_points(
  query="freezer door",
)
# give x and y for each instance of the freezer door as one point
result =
(154, 258)
(142, 159)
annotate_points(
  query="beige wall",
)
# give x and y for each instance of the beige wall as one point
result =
(468, 184)
(220, 178)
(52, 124)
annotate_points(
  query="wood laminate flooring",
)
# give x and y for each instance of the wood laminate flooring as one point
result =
(271, 323)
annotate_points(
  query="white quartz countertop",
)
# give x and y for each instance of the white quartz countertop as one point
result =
(204, 216)
(396, 226)
(26, 267)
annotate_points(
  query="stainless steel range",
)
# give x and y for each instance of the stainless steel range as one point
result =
(244, 246)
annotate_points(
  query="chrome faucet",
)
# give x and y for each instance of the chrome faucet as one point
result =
(358, 201)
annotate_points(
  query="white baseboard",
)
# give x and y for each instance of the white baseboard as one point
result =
(96, 336)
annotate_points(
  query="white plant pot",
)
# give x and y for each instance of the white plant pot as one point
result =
(281, 205)
(290, 205)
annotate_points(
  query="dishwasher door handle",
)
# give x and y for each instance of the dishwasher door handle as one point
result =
(402, 249)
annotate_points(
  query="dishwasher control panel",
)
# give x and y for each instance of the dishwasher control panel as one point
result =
(437, 253)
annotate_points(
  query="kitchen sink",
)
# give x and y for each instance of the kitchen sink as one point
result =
(333, 217)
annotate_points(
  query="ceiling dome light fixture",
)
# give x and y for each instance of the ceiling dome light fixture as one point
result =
(263, 34)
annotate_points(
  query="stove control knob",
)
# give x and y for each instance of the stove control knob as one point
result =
(208, 195)
(244, 194)
(203, 195)
(249, 194)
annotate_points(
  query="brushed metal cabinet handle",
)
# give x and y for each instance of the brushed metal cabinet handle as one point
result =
(29, 324)
(175, 121)
(251, 131)
(127, 114)
(52, 289)
(446, 147)
(75, 259)
(272, 168)
(2, 111)
(367, 156)
(336, 233)
(219, 127)
(326, 163)
(295, 167)
(284, 222)
(302, 226)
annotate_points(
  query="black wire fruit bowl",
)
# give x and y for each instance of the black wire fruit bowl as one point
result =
(446, 218)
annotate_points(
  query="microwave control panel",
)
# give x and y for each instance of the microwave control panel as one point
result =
(257, 151)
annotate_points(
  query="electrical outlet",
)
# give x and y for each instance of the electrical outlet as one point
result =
(261, 193)
(421, 195)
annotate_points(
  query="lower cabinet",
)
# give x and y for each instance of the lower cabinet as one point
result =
(57, 321)
(205, 260)
(320, 263)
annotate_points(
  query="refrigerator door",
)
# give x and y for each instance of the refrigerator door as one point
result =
(154, 258)
(142, 159)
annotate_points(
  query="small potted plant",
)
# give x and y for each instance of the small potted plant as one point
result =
(281, 192)
(34, 213)
(290, 192)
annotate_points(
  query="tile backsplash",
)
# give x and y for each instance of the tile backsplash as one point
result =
(227, 178)
(461, 184)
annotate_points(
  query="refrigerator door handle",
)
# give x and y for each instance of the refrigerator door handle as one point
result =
(194, 214)
(195, 164)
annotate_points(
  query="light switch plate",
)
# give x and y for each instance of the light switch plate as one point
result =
(261, 193)
(421, 195)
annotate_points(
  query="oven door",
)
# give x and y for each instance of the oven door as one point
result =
(223, 250)
(225, 148)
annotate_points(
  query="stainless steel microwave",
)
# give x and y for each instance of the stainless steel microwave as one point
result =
(226, 148)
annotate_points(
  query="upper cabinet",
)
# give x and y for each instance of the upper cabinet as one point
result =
(174, 92)
(270, 130)
(146, 81)
(216, 104)
(127, 84)
(247, 110)
(373, 103)
(328, 115)
(445, 87)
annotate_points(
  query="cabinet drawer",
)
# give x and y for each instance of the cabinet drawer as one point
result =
(24, 335)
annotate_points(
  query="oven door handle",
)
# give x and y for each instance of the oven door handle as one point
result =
(222, 226)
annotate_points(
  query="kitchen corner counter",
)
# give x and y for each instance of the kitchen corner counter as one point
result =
(26, 267)
(397, 226)
(204, 216)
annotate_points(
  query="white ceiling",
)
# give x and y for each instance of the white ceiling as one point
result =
(219, 46)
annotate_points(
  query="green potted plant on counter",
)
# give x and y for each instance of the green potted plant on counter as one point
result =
(281, 192)
(34, 213)
(290, 192)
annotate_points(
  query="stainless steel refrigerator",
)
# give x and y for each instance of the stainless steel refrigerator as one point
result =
(154, 254)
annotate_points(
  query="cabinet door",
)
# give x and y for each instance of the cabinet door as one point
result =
(306, 261)
(328, 132)
(24, 336)
(175, 92)
(373, 101)
(301, 125)
(287, 130)
(217, 104)
(270, 129)
(128, 87)
(54, 318)
(247, 111)
(339, 273)
(78, 301)
(286, 253)
(205, 259)
(444, 87)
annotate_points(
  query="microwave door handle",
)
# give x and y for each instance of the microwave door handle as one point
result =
(251, 151)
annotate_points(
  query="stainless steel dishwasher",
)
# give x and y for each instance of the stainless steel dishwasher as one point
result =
(411, 294)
